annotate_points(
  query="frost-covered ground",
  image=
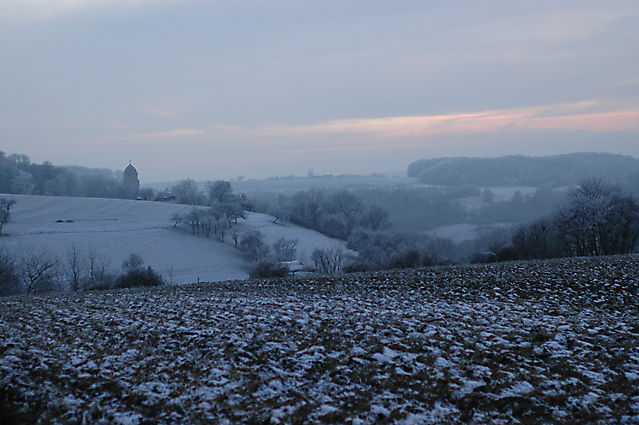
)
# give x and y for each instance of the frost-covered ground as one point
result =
(537, 342)
(116, 228)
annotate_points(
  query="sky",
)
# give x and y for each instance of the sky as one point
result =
(219, 89)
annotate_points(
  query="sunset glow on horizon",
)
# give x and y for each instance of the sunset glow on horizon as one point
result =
(219, 89)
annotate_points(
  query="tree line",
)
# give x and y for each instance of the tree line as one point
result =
(518, 170)
(334, 213)
(18, 175)
(597, 218)
(365, 226)
(76, 270)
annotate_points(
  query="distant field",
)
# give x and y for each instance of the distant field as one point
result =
(536, 342)
(294, 184)
(286, 185)
(116, 228)
(304, 183)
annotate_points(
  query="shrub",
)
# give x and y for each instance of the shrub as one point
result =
(406, 259)
(139, 277)
(136, 275)
(100, 282)
(268, 269)
(252, 246)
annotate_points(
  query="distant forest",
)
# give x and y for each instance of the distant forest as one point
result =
(547, 171)
(20, 176)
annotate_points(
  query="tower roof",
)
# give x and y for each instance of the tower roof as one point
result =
(130, 170)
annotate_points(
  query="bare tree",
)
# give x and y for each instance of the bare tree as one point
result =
(344, 202)
(376, 218)
(98, 276)
(284, 249)
(219, 191)
(233, 211)
(188, 192)
(599, 219)
(73, 267)
(537, 240)
(253, 247)
(328, 261)
(282, 209)
(219, 229)
(177, 218)
(235, 236)
(307, 207)
(5, 211)
(171, 274)
(38, 271)
(212, 221)
(194, 218)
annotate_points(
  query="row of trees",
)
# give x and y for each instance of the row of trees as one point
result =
(216, 209)
(216, 220)
(216, 212)
(519, 209)
(364, 225)
(215, 192)
(334, 213)
(406, 209)
(31, 272)
(384, 250)
(597, 219)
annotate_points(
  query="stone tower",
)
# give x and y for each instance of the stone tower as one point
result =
(130, 182)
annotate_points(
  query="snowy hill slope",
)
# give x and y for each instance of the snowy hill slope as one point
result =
(116, 228)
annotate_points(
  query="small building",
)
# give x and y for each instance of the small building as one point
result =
(131, 182)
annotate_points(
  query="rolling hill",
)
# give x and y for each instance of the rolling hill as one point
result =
(116, 228)
(519, 170)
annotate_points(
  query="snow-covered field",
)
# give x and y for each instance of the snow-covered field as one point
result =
(307, 240)
(116, 228)
(536, 342)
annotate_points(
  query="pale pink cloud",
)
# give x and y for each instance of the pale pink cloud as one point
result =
(167, 134)
(598, 121)
(581, 116)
